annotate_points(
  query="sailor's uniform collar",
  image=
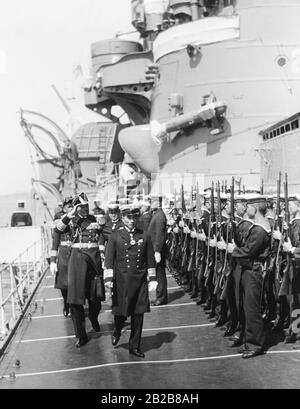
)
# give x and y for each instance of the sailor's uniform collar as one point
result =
(263, 227)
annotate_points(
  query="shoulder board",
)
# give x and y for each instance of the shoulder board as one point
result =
(296, 218)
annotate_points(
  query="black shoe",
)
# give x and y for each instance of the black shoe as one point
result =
(157, 303)
(278, 326)
(212, 315)
(81, 342)
(66, 311)
(115, 338)
(253, 353)
(137, 353)
(290, 339)
(234, 338)
(221, 321)
(237, 343)
(244, 349)
(230, 331)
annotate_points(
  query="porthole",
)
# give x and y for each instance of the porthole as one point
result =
(282, 61)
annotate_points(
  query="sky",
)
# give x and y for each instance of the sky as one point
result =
(40, 43)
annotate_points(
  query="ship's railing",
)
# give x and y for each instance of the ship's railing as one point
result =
(19, 280)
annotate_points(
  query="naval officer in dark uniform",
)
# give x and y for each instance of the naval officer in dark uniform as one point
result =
(157, 231)
(130, 263)
(146, 215)
(85, 274)
(114, 221)
(60, 254)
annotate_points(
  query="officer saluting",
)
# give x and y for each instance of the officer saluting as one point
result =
(60, 253)
(129, 260)
(85, 273)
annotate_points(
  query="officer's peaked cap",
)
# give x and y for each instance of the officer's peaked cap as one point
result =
(80, 199)
(129, 209)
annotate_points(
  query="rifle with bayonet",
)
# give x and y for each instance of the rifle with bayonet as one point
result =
(287, 233)
(268, 301)
(219, 254)
(227, 267)
(209, 255)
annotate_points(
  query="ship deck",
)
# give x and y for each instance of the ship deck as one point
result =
(183, 350)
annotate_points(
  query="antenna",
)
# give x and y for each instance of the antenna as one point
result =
(71, 124)
(60, 97)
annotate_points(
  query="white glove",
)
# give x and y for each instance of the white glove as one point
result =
(221, 245)
(213, 242)
(285, 225)
(53, 268)
(277, 235)
(287, 246)
(152, 285)
(175, 230)
(170, 222)
(108, 285)
(201, 236)
(186, 230)
(231, 247)
(193, 234)
(157, 257)
(181, 224)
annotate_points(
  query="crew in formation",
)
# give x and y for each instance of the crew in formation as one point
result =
(236, 253)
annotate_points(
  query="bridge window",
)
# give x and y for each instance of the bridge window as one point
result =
(295, 124)
(283, 129)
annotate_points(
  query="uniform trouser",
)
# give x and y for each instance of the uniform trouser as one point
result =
(252, 285)
(161, 291)
(64, 293)
(136, 329)
(228, 295)
(270, 294)
(77, 311)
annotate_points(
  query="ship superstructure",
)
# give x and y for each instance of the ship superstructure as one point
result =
(206, 79)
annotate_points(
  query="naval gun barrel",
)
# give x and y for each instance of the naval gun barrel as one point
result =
(208, 112)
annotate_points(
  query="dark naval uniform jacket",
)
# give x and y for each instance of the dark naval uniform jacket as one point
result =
(252, 256)
(144, 221)
(60, 254)
(108, 228)
(256, 246)
(129, 259)
(158, 233)
(85, 273)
